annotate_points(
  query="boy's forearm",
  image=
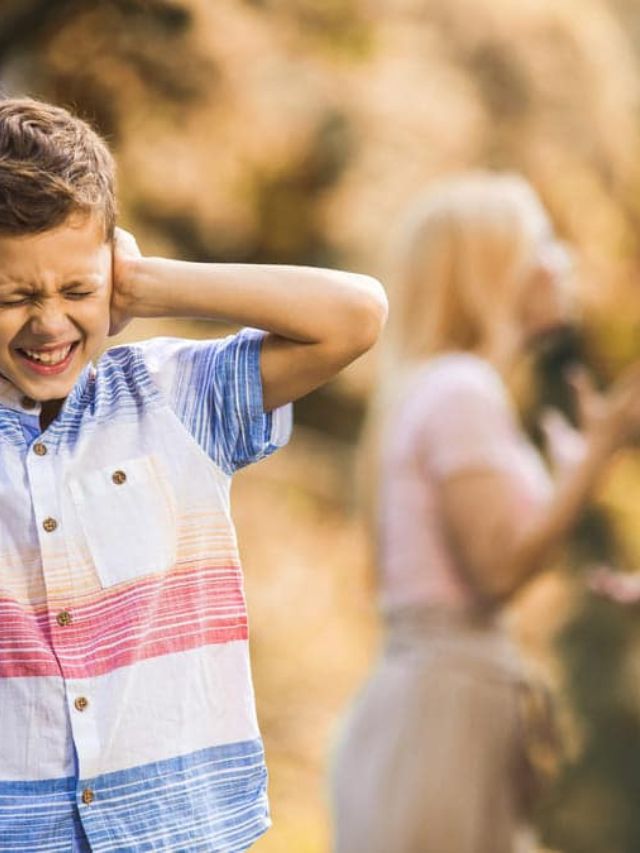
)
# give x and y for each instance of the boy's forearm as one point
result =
(301, 303)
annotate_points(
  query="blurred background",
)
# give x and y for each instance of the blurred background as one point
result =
(296, 131)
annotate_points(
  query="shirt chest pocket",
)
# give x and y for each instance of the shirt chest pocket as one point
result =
(128, 517)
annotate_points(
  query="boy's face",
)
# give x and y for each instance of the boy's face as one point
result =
(55, 290)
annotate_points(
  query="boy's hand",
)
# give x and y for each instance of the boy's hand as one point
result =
(125, 250)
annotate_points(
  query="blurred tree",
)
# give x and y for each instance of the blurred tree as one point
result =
(141, 39)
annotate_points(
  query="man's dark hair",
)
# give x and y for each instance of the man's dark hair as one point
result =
(52, 165)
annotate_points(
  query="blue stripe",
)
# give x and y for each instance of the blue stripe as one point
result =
(120, 388)
(211, 800)
(11, 431)
(216, 393)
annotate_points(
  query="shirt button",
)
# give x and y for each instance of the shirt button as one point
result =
(28, 403)
(88, 796)
(49, 524)
(64, 618)
(40, 449)
(81, 703)
(119, 477)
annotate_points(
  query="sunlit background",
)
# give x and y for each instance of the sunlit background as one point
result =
(296, 131)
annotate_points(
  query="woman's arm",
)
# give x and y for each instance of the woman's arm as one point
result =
(318, 320)
(499, 548)
(500, 545)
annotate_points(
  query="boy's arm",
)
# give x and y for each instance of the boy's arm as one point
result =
(318, 320)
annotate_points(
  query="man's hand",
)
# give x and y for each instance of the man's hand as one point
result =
(125, 250)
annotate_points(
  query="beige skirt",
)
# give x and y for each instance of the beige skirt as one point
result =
(429, 759)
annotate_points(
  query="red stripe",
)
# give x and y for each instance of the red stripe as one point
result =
(157, 616)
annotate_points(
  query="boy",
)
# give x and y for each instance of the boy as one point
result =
(125, 695)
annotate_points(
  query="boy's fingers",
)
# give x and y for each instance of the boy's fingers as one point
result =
(126, 244)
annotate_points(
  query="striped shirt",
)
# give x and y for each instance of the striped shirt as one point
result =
(126, 706)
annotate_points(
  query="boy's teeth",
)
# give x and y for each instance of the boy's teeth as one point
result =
(54, 356)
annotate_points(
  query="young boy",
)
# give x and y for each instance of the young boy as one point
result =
(126, 707)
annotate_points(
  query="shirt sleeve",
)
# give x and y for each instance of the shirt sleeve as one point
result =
(215, 389)
(464, 419)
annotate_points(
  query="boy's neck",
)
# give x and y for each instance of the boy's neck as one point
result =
(49, 412)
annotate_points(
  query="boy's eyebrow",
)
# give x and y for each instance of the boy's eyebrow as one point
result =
(83, 276)
(14, 281)
(73, 280)
(80, 281)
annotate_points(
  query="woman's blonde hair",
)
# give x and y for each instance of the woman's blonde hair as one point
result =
(459, 261)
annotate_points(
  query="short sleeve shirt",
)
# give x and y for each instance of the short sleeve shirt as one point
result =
(126, 704)
(454, 416)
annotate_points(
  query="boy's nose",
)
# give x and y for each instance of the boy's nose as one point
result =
(49, 320)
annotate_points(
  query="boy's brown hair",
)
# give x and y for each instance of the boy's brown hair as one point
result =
(52, 165)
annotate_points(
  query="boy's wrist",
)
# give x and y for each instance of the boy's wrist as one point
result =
(132, 294)
(138, 292)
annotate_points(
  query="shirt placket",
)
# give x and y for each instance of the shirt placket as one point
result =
(67, 631)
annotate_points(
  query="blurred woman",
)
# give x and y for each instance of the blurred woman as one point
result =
(434, 756)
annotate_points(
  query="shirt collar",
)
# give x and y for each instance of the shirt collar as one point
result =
(13, 398)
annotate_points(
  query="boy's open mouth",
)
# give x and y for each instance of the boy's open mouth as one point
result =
(50, 360)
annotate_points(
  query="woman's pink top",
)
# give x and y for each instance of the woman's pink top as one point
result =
(454, 416)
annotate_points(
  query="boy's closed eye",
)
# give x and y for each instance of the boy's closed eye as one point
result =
(78, 294)
(74, 293)
(16, 299)
(77, 288)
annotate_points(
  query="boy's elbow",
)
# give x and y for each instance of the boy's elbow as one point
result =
(368, 317)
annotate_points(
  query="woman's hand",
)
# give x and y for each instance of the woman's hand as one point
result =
(125, 250)
(566, 446)
(612, 418)
(619, 587)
